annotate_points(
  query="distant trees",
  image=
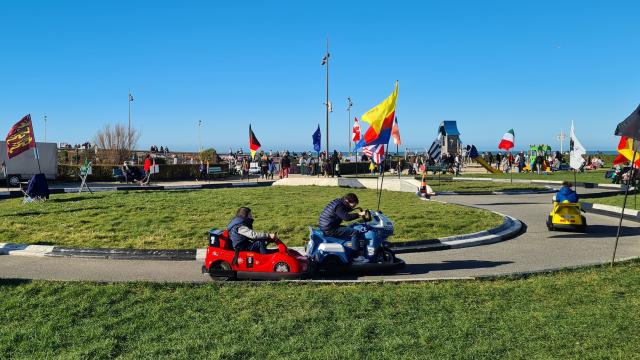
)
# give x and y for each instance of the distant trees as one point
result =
(115, 143)
(210, 155)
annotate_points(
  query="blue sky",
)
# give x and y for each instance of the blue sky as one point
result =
(491, 65)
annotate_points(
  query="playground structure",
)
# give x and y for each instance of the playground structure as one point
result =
(473, 154)
(534, 152)
(450, 137)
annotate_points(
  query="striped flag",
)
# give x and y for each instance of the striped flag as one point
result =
(435, 149)
(254, 144)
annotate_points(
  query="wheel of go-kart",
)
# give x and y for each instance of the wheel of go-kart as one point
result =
(550, 224)
(385, 255)
(331, 264)
(220, 266)
(583, 227)
(281, 267)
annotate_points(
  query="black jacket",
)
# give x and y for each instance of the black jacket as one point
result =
(334, 213)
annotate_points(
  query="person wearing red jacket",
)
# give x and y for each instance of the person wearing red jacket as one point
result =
(147, 170)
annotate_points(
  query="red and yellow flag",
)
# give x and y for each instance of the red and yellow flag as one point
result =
(254, 144)
(20, 138)
(625, 150)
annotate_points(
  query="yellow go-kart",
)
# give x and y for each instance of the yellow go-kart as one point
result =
(566, 216)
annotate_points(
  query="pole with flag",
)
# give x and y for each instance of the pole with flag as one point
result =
(380, 120)
(21, 138)
(629, 128)
(576, 151)
(506, 144)
(254, 144)
(316, 143)
(356, 138)
(395, 133)
(349, 105)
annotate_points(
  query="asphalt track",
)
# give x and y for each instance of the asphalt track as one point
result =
(535, 250)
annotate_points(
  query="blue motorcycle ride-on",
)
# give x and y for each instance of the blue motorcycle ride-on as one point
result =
(336, 255)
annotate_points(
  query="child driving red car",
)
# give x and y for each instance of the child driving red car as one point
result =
(242, 235)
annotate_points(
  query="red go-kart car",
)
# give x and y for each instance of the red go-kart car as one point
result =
(283, 263)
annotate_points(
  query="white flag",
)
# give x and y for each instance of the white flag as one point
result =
(576, 150)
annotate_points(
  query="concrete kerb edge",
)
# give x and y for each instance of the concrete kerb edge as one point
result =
(510, 227)
(611, 211)
(544, 182)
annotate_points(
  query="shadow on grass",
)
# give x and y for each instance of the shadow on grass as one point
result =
(597, 231)
(510, 203)
(14, 282)
(44, 212)
(74, 199)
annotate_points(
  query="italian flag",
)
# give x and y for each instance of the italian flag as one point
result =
(507, 140)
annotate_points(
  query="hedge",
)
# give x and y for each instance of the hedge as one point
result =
(167, 172)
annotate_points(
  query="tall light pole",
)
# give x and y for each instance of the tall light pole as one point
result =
(129, 127)
(45, 128)
(561, 138)
(349, 105)
(325, 61)
(199, 136)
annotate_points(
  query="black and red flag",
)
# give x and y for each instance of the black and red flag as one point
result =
(254, 144)
(20, 138)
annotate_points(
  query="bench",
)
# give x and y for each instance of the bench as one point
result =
(217, 170)
(435, 169)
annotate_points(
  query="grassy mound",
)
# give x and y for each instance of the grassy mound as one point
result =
(590, 313)
(180, 219)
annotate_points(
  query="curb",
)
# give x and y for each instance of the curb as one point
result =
(612, 211)
(544, 182)
(509, 228)
(506, 192)
(19, 194)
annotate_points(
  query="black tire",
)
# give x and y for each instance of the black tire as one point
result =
(331, 264)
(583, 227)
(282, 267)
(14, 180)
(220, 266)
(385, 255)
(550, 224)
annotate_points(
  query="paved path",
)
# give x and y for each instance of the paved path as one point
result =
(537, 249)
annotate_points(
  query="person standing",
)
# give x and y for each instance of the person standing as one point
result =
(286, 164)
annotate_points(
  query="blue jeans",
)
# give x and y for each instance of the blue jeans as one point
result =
(346, 233)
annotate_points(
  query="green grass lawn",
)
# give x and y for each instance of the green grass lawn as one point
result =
(595, 176)
(479, 186)
(585, 314)
(180, 219)
(633, 202)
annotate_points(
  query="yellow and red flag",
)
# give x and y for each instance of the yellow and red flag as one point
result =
(254, 144)
(626, 148)
(380, 120)
(20, 138)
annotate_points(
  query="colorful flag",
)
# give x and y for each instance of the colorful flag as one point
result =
(375, 152)
(435, 150)
(356, 131)
(316, 139)
(626, 148)
(380, 120)
(507, 140)
(20, 138)
(395, 133)
(576, 151)
(254, 144)
(630, 127)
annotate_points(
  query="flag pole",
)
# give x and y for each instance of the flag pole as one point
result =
(624, 202)
(398, 157)
(381, 182)
(327, 103)
(37, 155)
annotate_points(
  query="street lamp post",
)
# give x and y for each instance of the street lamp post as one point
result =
(45, 128)
(199, 136)
(325, 61)
(561, 138)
